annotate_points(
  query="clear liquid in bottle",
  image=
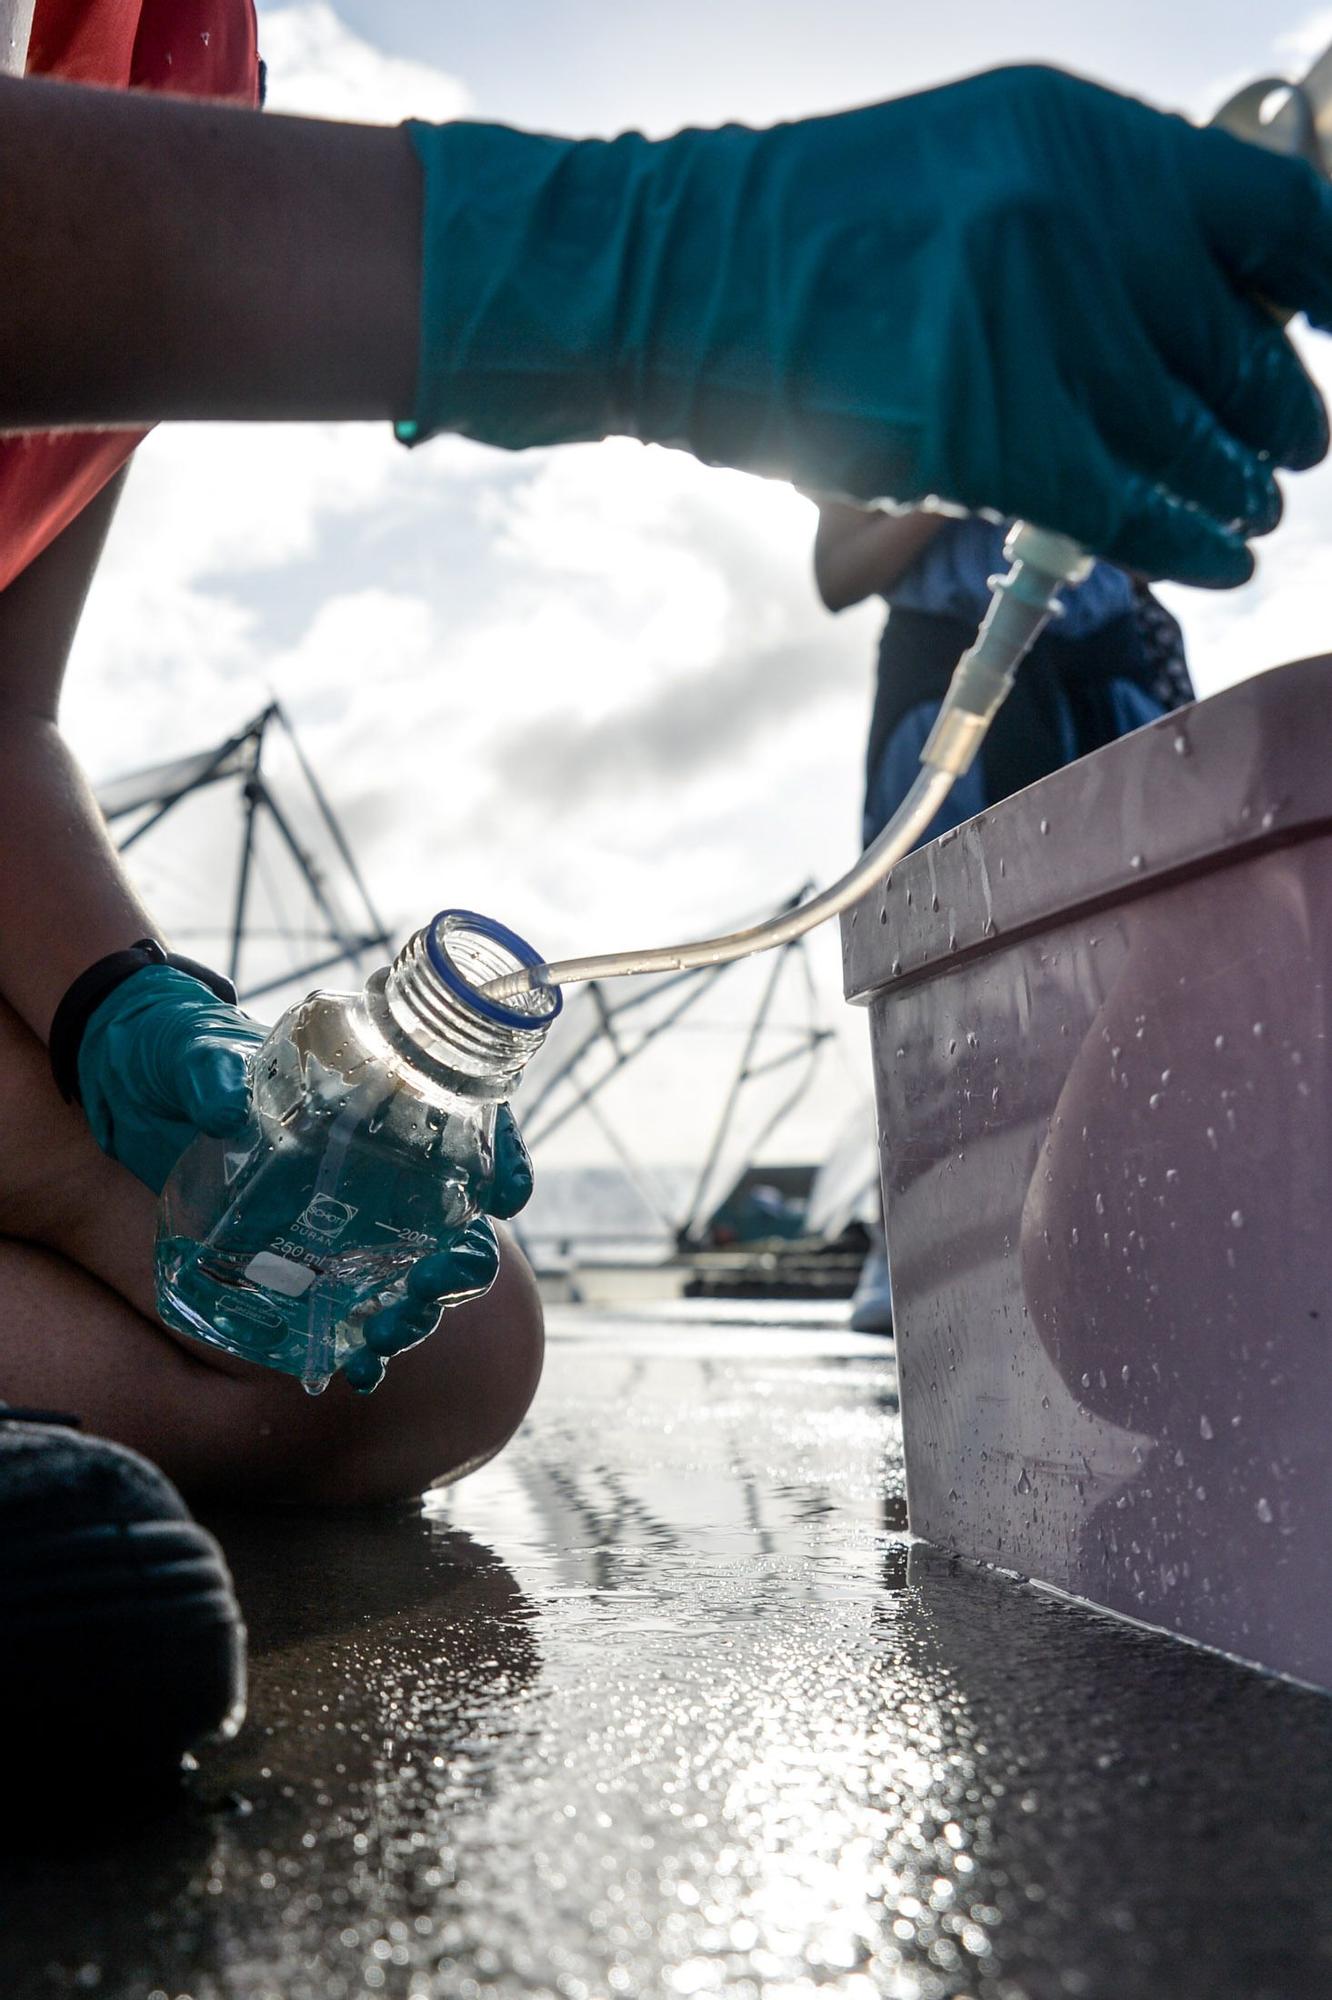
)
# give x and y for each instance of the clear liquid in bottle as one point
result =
(370, 1142)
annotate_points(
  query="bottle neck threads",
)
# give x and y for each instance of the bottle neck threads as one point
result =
(431, 992)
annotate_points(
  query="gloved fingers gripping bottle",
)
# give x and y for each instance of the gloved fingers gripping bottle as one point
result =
(333, 1228)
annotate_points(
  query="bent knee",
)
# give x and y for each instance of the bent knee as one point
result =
(444, 1408)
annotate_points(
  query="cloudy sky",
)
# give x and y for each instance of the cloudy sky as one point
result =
(589, 691)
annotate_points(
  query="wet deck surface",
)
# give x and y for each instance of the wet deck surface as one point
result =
(662, 1703)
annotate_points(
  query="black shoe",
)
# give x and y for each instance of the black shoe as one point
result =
(121, 1644)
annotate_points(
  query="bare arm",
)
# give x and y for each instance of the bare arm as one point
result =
(64, 899)
(859, 552)
(232, 265)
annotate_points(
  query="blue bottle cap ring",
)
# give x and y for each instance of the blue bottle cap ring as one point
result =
(490, 1010)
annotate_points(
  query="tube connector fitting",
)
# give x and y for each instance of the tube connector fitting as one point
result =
(1022, 603)
(1056, 556)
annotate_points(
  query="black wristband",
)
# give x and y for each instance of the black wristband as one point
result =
(88, 991)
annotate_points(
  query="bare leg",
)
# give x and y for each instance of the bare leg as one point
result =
(78, 1332)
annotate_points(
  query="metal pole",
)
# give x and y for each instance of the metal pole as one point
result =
(212, 773)
(335, 832)
(690, 1226)
(315, 965)
(310, 874)
(15, 31)
(252, 795)
(622, 1055)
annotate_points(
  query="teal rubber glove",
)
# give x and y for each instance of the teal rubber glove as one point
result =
(1020, 293)
(162, 1060)
(463, 1266)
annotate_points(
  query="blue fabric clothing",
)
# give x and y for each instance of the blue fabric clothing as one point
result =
(950, 577)
(899, 764)
(896, 772)
(1070, 698)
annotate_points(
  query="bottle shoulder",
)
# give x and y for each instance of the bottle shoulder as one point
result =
(330, 1055)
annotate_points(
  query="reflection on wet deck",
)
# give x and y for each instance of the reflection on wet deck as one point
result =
(663, 1702)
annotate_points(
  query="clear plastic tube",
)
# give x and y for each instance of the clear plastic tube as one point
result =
(902, 832)
(1022, 603)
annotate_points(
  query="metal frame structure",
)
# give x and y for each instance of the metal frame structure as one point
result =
(621, 1028)
(148, 796)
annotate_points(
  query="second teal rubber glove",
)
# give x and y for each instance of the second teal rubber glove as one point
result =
(1019, 292)
(465, 1264)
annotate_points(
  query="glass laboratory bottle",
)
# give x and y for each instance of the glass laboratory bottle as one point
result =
(371, 1135)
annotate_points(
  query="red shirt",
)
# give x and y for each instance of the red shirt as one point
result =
(194, 48)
